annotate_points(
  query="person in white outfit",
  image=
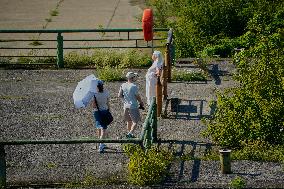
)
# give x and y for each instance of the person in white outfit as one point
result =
(152, 74)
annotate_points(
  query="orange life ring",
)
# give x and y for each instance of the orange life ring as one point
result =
(147, 24)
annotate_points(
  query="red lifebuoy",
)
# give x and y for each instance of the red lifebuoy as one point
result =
(147, 24)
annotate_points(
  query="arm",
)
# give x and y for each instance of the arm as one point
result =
(158, 71)
(108, 104)
(94, 105)
(139, 100)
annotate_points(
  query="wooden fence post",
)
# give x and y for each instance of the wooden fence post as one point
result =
(165, 73)
(159, 95)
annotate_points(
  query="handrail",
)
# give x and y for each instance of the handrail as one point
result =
(60, 40)
(170, 36)
(69, 141)
(76, 30)
(149, 130)
(147, 138)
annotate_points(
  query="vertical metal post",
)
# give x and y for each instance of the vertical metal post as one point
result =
(159, 96)
(2, 167)
(155, 121)
(225, 161)
(169, 74)
(152, 46)
(60, 61)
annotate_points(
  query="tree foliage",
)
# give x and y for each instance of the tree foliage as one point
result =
(198, 24)
(253, 111)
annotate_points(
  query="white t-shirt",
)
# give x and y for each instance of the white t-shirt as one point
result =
(129, 91)
(102, 100)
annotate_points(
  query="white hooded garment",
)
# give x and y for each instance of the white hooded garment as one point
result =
(151, 77)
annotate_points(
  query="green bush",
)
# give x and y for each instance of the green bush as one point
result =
(259, 151)
(147, 167)
(238, 183)
(111, 74)
(187, 75)
(224, 48)
(197, 23)
(254, 110)
(75, 60)
(108, 58)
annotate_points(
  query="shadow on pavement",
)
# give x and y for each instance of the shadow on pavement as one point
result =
(176, 108)
(184, 156)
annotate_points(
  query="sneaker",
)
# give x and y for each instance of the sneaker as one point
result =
(102, 148)
(129, 135)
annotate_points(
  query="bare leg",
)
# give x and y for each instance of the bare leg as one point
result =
(99, 133)
(103, 133)
(133, 126)
(129, 126)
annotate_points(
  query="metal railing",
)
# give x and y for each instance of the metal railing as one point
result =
(60, 41)
(147, 138)
(149, 130)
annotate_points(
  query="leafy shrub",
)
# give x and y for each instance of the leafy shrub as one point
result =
(199, 23)
(259, 151)
(238, 183)
(111, 74)
(224, 48)
(108, 58)
(147, 167)
(187, 75)
(254, 111)
(132, 59)
(75, 60)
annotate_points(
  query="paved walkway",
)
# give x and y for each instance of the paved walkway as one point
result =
(72, 14)
(31, 14)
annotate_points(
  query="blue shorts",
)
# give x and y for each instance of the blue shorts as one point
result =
(97, 120)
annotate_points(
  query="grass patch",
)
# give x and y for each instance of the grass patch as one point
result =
(5, 60)
(33, 60)
(48, 19)
(188, 75)
(36, 43)
(51, 165)
(91, 181)
(260, 152)
(3, 97)
(53, 13)
(254, 152)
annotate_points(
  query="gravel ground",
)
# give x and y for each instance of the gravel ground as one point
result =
(37, 104)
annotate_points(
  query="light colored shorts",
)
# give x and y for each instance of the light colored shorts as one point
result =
(132, 115)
